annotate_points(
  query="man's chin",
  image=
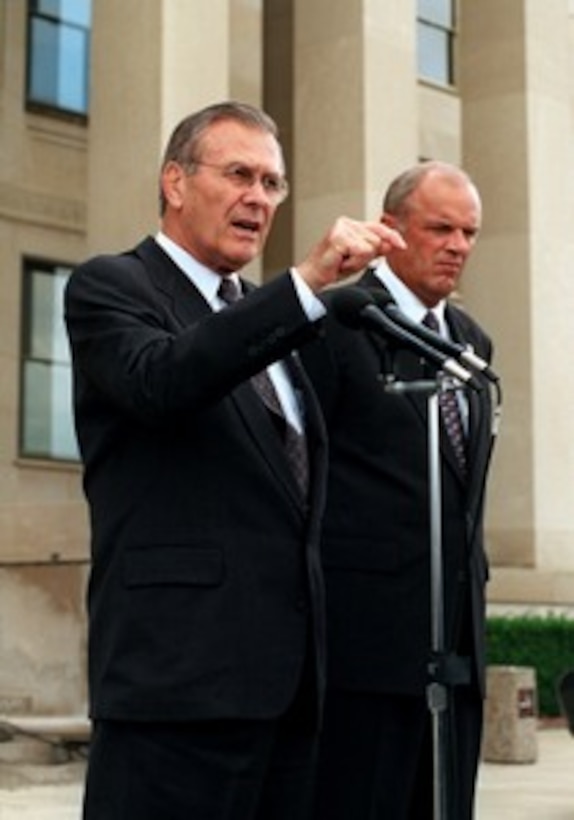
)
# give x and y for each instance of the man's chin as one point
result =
(236, 261)
(446, 285)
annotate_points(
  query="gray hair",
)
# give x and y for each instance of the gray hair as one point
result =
(184, 144)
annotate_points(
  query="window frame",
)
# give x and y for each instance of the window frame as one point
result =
(31, 265)
(451, 33)
(53, 109)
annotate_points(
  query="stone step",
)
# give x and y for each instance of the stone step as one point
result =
(65, 728)
(42, 740)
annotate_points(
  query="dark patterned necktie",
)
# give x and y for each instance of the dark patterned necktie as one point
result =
(294, 442)
(450, 410)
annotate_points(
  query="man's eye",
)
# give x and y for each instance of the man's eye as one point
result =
(272, 184)
(240, 174)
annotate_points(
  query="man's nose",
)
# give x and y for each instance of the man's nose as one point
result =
(257, 193)
(459, 241)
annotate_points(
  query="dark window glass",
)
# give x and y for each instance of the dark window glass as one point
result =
(46, 428)
(58, 54)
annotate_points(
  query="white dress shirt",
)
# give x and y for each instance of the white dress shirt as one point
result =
(207, 282)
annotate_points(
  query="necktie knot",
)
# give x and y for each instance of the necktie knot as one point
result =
(431, 321)
(228, 290)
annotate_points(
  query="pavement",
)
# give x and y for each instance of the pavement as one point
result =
(543, 790)
(37, 792)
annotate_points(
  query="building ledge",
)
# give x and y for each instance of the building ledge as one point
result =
(55, 728)
(531, 587)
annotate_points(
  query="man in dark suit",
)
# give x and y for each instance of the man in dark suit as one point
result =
(205, 597)
(376, 759)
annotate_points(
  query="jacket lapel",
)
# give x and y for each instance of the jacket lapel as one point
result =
(480, 432)
(187, 305)
(480, 436)
(411, 368)
(182, 299)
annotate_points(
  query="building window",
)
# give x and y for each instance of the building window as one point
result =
(58, 55)
(46, 427)
(435, 40)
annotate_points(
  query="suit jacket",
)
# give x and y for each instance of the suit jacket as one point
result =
(376, 535)
(205, 590)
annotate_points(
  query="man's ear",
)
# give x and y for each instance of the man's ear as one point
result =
(172, 182)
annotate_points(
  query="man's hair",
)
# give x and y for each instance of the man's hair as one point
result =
(184, 144)
(396, 198)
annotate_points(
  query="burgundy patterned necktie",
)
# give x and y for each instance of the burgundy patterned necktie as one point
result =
(450, 410)
(294, 442)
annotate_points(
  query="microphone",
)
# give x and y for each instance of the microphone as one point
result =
(457, 351)
(356, 308)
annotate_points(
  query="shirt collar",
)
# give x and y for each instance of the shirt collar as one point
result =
(407, 301)
(204, 279)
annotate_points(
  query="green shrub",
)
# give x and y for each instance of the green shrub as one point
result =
(544, 643)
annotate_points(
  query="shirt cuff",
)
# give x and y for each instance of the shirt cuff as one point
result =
(313, 307)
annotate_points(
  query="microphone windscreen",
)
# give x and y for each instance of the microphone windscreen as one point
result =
(347, 304)
(381, 298)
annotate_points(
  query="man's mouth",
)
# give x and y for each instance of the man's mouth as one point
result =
(451, 266)
(247, 225)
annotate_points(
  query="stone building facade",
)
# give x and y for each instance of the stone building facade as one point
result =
(356, 103)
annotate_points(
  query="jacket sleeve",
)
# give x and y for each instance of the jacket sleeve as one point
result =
(129, 347)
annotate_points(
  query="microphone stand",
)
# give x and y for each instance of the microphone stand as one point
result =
(437, 693)
(437, 689)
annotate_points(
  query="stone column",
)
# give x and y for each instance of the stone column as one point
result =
(518, 144)
(355, 90)
(153, 63)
